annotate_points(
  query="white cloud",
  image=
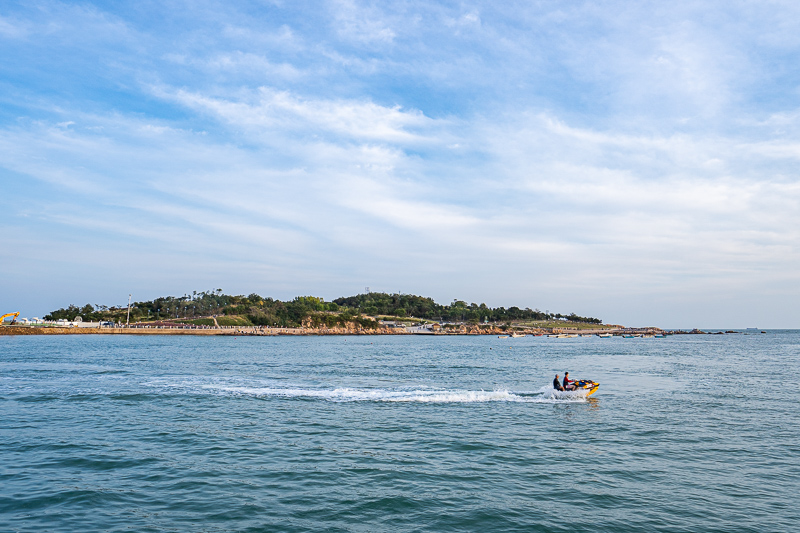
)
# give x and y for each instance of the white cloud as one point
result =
(471, 19)
(283, 38)
(354, 22)
(12, 29)
(268, 109)
(241, 63)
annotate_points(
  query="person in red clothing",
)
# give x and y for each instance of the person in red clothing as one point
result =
(568, 382)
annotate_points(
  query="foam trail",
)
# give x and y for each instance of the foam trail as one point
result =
(574, 395)
(346, 394)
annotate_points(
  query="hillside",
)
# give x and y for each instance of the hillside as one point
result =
(199, 308)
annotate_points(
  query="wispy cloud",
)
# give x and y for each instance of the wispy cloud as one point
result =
(12, 29)
(267, 109)
(362, 23)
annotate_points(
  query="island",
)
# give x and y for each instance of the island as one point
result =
(371, 313)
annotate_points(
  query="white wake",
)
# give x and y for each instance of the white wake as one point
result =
(348, 394)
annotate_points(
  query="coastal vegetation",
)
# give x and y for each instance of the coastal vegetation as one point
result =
(204, 308)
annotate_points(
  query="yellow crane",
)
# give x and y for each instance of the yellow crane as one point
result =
(13, 320)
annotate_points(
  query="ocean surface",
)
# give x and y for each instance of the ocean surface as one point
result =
(415, 433)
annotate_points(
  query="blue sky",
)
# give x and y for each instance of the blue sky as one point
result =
(636, 162)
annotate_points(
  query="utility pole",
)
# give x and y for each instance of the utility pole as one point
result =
(128, 321)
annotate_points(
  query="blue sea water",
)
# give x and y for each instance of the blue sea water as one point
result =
(356, 434)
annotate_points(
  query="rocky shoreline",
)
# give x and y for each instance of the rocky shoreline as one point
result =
(351, 329)
(244, 331)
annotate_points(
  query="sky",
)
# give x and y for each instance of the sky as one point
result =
(638, 162)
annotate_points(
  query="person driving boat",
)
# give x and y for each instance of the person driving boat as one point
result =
(568, 382)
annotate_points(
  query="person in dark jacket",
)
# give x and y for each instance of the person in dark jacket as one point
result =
(556, 384)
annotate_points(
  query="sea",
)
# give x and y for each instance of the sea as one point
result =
(689, 433)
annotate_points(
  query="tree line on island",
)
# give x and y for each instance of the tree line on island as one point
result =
(255, 310)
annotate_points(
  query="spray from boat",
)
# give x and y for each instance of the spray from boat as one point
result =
(358, 394)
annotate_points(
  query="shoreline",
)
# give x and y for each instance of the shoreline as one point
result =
(262, 331)
(235, 331)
